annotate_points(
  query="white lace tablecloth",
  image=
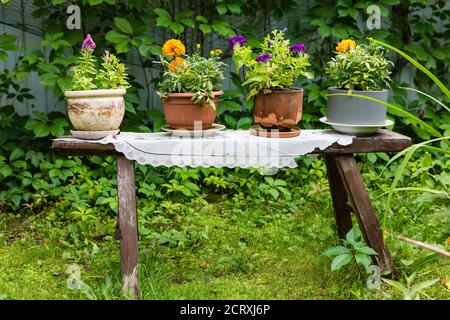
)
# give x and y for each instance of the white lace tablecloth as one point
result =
(231, 148)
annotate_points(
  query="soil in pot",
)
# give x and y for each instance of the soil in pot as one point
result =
(280, 109)
(182, 113)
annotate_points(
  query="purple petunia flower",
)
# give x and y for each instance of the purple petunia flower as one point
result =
(264, 58)
(297, 48)
(237, 40)
(88, 44)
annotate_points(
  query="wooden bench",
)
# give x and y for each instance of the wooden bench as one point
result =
(346, 186)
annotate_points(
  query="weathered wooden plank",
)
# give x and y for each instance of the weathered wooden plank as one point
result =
(128, 226)
(342, 210)
(81, 148)
(384, 141)
(367, 218)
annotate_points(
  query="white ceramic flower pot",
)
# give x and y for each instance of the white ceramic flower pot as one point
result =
(96, 110)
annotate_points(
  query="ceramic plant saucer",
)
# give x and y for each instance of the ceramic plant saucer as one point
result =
(194, 133)
(357, 130)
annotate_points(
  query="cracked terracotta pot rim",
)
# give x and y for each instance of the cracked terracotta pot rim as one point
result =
(95, 93)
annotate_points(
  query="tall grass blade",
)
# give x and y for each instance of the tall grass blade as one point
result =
(417, 64)
(429, 96)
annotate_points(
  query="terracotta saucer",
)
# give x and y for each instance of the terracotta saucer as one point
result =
(274, 133)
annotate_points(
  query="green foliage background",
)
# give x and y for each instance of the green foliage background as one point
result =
(78, 196)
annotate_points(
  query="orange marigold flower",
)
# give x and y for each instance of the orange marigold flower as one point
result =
(177, 63)
(173, 47)
(218, 52)
(345, 45)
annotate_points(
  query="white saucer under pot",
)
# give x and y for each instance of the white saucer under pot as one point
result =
(356, 129)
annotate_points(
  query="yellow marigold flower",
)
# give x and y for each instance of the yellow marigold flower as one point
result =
(445, 283)
(218, 52)
(345, 45)
(177, 63)
(212, 52)
(198, 46)
(173, 47)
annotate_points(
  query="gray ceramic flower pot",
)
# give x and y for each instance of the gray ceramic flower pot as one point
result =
(357, 111)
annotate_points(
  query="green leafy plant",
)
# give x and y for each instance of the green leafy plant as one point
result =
(86, 74)
(408, 153)
(359, 67)
(193, 73)
(352, 249)
(411, 290)
(277, 67)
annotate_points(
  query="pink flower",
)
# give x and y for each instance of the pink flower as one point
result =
(88, 44)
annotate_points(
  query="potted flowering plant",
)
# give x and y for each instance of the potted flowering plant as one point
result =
(363, 70)
(95, 102)
(190, 86)
(270, 76)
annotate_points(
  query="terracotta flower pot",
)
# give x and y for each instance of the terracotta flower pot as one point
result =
(96, 110)
(181, 112)
(281, 109)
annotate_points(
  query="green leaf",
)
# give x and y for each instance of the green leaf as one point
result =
(184, 14)
(336, 251)
(163, 21)
(188, 22)
(363, 260)
(221, 8)
(201, 19)
(116, 37)
(366, 250)
(148, 50)
(416, 288)
(244, 123)
(234, 8)
(340, 261)
(372, 157)
(205, 28)
(16, 154)
(5, 170)
(176, 27)
(42, 130)
(162, 13)
(353, 236)
(222, 27)
(123, 25)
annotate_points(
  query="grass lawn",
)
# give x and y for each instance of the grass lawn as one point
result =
(237, 250)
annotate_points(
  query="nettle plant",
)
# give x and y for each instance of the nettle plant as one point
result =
(277, 66)
(191, 73)
(89, 74)
(360, 67)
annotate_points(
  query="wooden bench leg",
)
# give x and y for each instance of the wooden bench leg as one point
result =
(338, 194)
(127, 227)
(362, 206)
